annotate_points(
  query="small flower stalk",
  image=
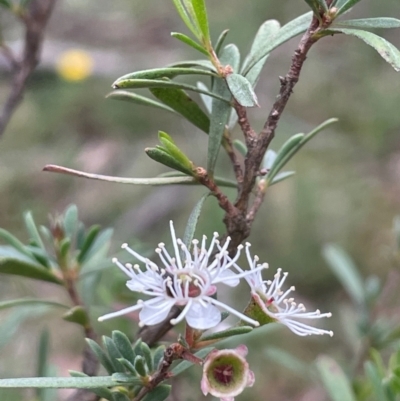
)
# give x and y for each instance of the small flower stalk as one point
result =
(226, 373)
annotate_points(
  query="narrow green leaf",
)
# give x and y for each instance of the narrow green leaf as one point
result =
(140, 366)
(182, 103)
(101, 242)
(388, 51)
(126, 378)
(123, 344)
(78, 315)
(334, 380)
(282, 176)
(163, 157)
(194, 63)
(70, 220)
(323, 5)
(16, 263)
(114, 354)
(171, 180)
(88, 241)
(101, 356)
(220, 41)
(15, 242)
(220, 110)
(146, 352)
(102, 392)
(32, 229)
(154, 83)
(190, 42)
(158, 356)
(137, 99)
(375, 380)
(313, 4)
(265, 34)
(284, 154)
(346, 6)
(185, 17)
(339, 3)
(207, 100)
(159, 73)
(118, 396)
(346, 271)
(234, 331)
(182, 366)
(242, 90)
(287, 32)
(192, 222)
(58, 382)
(200, 11)
(30, 302)
(292, 146)
(380, 22)
(160, 393)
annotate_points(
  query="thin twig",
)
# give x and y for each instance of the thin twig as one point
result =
(35, 20)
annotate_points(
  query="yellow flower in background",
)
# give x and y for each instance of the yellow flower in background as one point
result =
(74, 65)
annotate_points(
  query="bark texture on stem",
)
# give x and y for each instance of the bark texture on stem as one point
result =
(35, 20)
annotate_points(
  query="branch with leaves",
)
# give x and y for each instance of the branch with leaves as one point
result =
(182, 285)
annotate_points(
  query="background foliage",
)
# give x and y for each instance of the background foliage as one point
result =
(346, 191)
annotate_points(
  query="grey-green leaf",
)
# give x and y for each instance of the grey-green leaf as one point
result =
(265, 35)
(30, 302)
(165, 83)
(234, 331)
(380, 22)
(288, 31)
(346, 271)
(159, 73)
(181, 102)
(313, 5)
(185, 16)
(32, 229)
(334, 380)
(124, 345)
(58, 382)
(346, 6)
(242, 90)
(16, 263)
(388, 51)
(230, 55)
(192, 222)
(71, 220)
(137, 99)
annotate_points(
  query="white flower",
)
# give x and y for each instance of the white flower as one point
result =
(189, 282)
(275, 303)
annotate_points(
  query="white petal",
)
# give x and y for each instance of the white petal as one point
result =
(203, 317)
(155, 313)
(227, 277)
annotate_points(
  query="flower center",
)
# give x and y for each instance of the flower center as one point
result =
(223, 374)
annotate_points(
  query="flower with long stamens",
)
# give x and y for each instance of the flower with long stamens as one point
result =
(184, 279)
(270, 303)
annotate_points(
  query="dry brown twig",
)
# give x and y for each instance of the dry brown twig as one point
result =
(34, 19)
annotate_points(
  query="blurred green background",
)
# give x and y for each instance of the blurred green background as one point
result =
(346, 189)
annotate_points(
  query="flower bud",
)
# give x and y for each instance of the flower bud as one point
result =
(226, 373)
